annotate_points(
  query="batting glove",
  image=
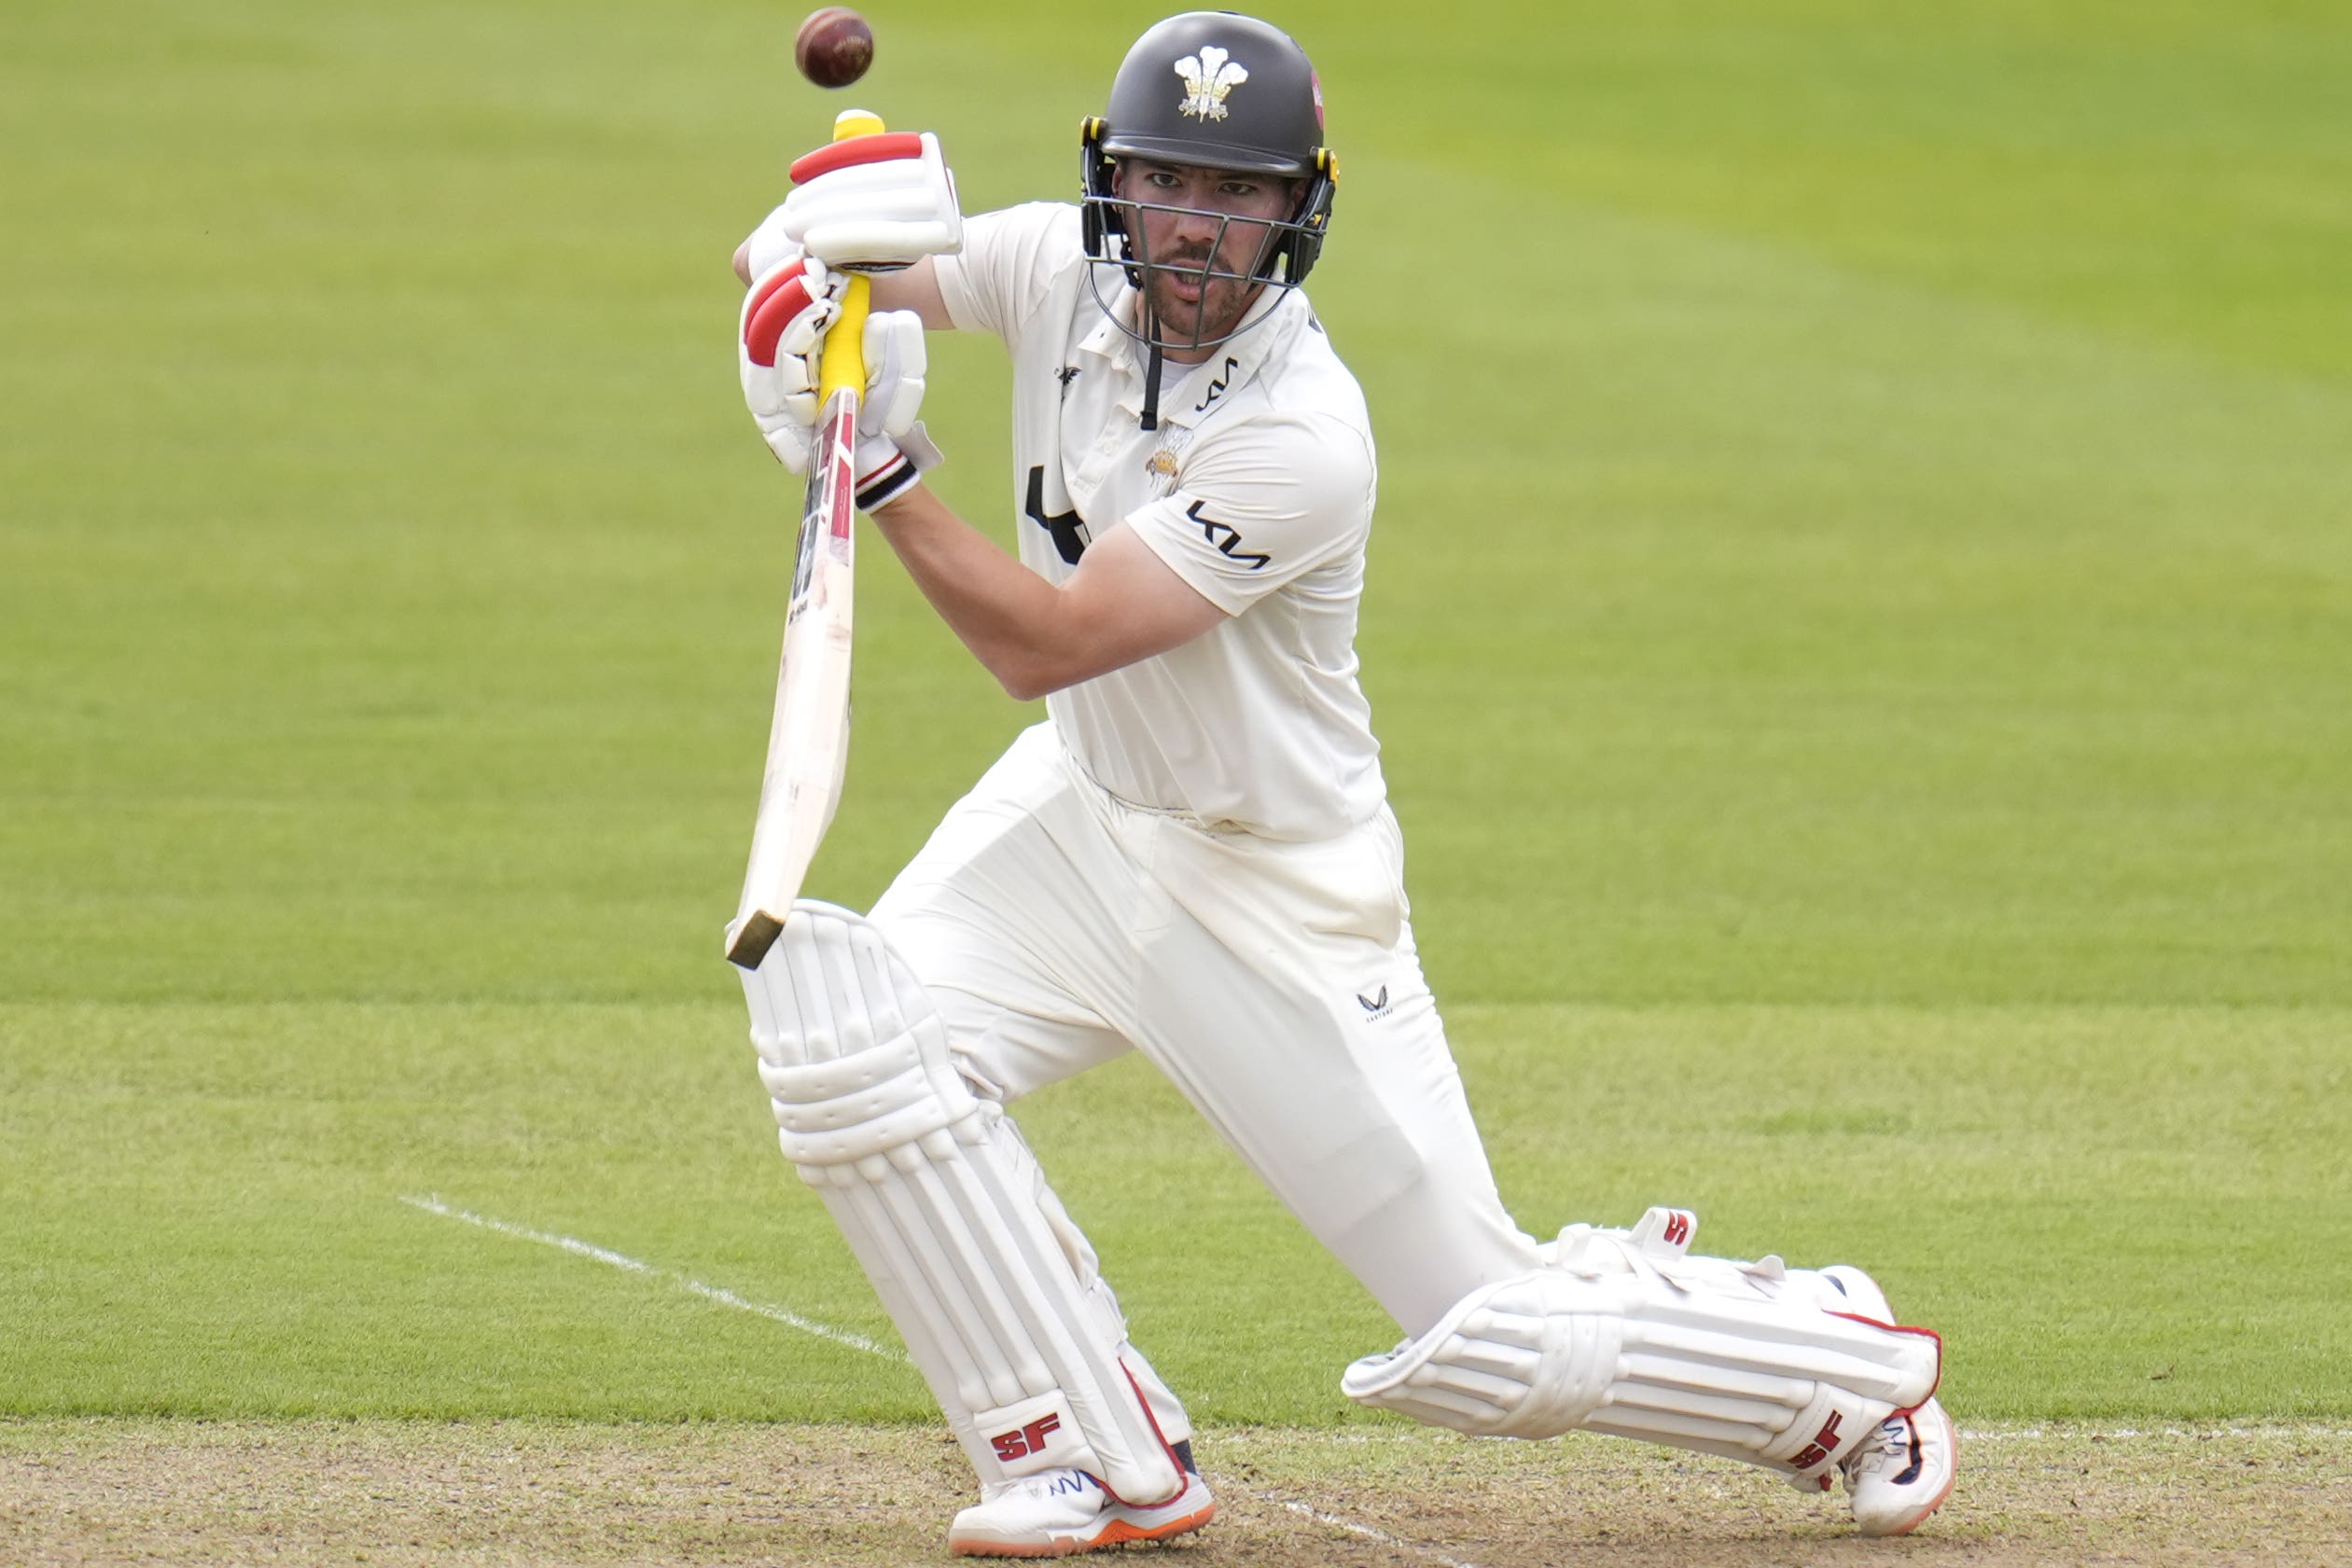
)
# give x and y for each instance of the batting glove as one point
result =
(781, 332)
(894, 450)
(873, 202)
(784, 318)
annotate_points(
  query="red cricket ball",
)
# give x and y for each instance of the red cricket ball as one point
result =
(834, 47)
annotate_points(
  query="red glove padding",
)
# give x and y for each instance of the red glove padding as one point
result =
(789, 308)
(780, 339)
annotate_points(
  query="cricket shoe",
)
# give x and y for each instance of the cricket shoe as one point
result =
(1057, 1512)
(1902, 1472)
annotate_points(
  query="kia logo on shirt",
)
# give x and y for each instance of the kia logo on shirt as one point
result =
(1226, 538)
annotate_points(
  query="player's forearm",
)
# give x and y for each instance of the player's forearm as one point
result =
(915, 288)
(1013, 620)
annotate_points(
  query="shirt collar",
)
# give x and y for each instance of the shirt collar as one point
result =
(1181, 401)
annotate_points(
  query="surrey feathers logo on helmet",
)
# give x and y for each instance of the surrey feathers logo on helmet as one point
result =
(1208, 77)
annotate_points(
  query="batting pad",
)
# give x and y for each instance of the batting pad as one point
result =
(946, 1212)
(1694, 1353)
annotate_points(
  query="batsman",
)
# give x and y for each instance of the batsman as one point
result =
(1192, 856)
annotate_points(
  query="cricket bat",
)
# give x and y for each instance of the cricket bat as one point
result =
(808, 736)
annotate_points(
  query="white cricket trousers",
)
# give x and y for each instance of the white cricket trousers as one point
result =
(1274, 984)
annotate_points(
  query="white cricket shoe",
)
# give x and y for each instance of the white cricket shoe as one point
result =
(1902, 1472)
(1058, 1512)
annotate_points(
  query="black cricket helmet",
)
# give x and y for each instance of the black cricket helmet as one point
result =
(1213, 90)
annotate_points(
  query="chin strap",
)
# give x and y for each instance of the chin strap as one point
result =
(1152, 387)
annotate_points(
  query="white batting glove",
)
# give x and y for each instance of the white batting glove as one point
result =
(894, 450)
(768, 247)
(872, 202)
(784, 318)
(778, 337)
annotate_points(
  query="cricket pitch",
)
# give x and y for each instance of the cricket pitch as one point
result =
(103, 1492)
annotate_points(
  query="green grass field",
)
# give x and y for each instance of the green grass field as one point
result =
(1860, 622)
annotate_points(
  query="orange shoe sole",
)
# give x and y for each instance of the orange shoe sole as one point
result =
(1118, 1532)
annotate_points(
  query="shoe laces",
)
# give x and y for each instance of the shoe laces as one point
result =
(1064, 1482)
(1890, 1441)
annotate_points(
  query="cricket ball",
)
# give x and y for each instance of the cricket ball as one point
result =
(834, 47)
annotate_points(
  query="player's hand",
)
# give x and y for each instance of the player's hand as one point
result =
(896, 360)
(784, 319)
(893, 448)
(779, 336)
(765, 248)
(872, 202)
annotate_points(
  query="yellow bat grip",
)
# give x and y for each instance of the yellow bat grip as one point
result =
(843, 364)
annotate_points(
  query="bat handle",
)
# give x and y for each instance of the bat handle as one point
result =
(843, 364)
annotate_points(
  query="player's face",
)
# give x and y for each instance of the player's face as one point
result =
(1189, 222)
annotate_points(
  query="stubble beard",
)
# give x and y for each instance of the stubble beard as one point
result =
(1181, 322)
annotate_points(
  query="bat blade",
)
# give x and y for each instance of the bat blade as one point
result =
(808, 736)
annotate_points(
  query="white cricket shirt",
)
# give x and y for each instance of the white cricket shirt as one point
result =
(1257, 489)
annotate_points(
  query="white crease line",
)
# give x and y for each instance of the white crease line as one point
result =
(2240, 1428)
(1365, 1532)
(433, 1205)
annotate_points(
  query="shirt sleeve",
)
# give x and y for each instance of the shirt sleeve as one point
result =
(1009, 259)
(1262, 503)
